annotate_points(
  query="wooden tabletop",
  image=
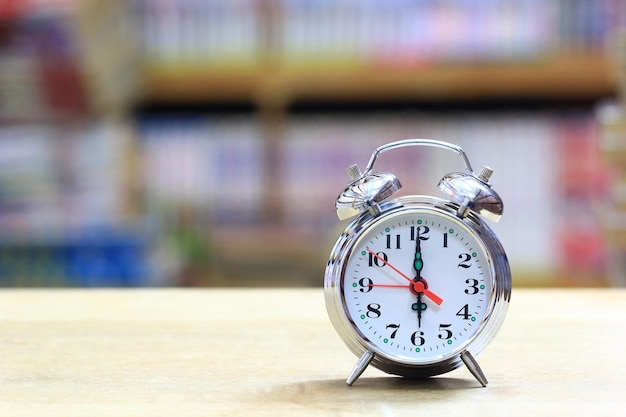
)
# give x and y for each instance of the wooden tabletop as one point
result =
(213, 352)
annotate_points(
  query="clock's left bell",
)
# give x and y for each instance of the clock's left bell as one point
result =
(365, 192)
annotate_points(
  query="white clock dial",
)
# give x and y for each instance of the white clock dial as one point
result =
(418, 286)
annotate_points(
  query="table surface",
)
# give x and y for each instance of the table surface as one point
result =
(212, 352)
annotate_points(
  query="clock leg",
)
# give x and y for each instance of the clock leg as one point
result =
(360, 366)
(473, 367)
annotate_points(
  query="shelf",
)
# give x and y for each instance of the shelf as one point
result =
(571, 77)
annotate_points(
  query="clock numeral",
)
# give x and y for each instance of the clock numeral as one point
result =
(373, 311)
(395, 327)
(374, 261)
(473, 286)
(366, 284)
(446, 333)
(417, 338)
(397, 242)
(420, 232)
(445, 240)
(465, 260)
(464, 312)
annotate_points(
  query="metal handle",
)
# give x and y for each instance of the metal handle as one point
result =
(417, 142)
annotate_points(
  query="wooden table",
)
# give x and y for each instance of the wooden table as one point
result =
(183, 352)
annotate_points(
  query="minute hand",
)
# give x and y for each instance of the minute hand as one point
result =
(418, 263)
(434, 297)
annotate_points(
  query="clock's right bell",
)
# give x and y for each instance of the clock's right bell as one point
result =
(473, 193)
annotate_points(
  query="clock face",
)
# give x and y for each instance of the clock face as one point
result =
(418, 286)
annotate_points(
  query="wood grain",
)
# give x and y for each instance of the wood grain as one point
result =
(179, 352)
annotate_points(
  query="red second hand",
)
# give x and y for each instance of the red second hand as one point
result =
(390, 286)
(389, 265)
(434, 297)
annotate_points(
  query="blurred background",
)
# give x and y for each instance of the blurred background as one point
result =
(203, 142)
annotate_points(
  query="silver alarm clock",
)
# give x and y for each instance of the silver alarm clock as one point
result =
(417, 285)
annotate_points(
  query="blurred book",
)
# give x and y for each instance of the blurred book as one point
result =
(547, 169)
(211, 164)
(209, 34)
(217, 34)
(66, 59)
(537, 162)
(612, 119)
(66, 212)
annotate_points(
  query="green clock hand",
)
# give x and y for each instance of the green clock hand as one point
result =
(418, 263)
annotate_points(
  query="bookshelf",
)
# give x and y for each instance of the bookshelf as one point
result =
(612, 121)
(204, 184)
(68, 213)
(332, 56)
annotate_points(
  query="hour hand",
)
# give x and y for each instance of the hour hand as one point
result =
(418, 307)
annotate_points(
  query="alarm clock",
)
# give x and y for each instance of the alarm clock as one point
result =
(417, 285)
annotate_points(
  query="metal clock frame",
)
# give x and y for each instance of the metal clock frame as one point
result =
(367, 351)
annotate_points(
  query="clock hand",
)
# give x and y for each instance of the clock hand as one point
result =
(390, 286)
(415, 286)
(388, 264)
(419, 310)
(419, 284)
(418, 263)
(421, 287)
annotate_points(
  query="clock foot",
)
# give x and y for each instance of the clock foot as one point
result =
(473, 367)
(360, 366)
